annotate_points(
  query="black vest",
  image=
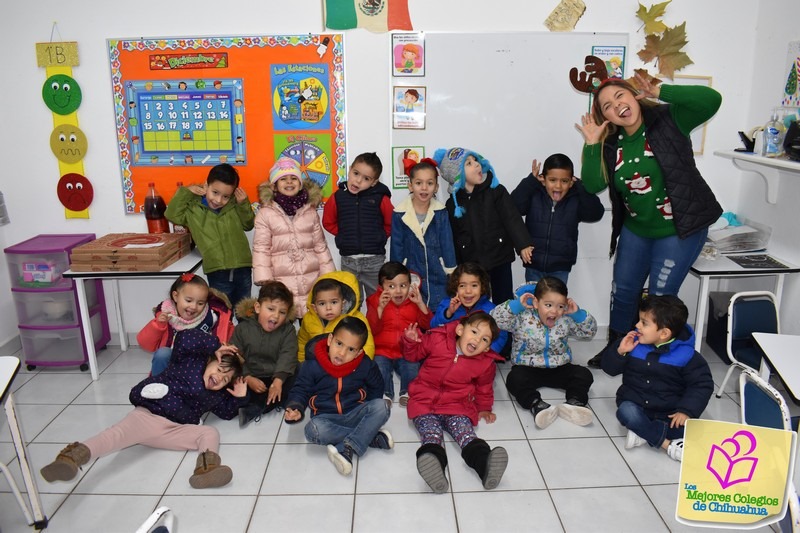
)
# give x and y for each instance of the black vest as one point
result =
(361, 229)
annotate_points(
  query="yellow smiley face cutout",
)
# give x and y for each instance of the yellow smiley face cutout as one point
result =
(68, 143)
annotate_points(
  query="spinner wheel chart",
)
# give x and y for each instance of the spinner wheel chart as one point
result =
(314, 163)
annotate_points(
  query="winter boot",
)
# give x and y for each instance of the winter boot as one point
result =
(489, 463)
(431, 462)
(210, 472)
(67, 463)
(248, 413)
(613, 336)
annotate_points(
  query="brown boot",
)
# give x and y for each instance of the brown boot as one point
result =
(66, 465)
(210, 472)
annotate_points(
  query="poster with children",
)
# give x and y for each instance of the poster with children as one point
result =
(791, 91)
(409, 108)
(614, 58)
(408, 54)
(734, 475)
(400, 154)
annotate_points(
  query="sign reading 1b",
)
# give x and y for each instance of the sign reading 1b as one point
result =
(185, 121)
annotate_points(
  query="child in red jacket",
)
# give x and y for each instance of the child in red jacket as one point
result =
(451, 393)
(396, 305)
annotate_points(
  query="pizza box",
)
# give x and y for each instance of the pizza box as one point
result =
(155, 264)
(131, 247)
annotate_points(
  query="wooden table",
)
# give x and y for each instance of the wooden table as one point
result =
(188, 263)
(783, 356)
(9, 366)
(724, 267)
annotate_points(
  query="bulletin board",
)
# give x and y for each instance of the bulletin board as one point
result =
(183, 105)
(504, 95)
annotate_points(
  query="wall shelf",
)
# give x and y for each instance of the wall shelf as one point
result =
(771, 169)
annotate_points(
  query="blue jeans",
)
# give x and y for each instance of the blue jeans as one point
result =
(651, 426)
(236, 283)
(365, 270)
(405, 369)
(160, 361)
(666, 261)
(531, 274)
(355, 428)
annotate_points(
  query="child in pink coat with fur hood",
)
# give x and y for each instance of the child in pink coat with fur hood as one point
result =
(289, 245)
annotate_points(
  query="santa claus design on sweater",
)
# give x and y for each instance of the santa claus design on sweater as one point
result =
(620, 162)
(639, 184)
(647, 151)
(665, 208)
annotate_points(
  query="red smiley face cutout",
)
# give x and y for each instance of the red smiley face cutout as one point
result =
(75, 192)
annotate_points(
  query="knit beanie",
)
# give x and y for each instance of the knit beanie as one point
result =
(451, 165)
(284, 166)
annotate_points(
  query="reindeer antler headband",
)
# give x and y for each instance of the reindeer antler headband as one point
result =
(594, 69)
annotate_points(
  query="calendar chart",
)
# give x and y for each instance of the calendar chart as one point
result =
(186, 122)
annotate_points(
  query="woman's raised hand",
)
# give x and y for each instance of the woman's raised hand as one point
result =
(591, 131)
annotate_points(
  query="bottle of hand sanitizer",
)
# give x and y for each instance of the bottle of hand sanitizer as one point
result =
(773, 136)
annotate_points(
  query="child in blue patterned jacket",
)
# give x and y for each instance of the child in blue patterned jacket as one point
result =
(540, 319)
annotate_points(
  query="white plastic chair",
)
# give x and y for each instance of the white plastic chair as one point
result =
(762, 405)
(748, 312)
(161, 518)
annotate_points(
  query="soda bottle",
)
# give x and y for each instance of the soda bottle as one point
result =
(154, 208)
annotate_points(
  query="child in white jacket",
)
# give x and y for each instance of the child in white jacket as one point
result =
(289, 245)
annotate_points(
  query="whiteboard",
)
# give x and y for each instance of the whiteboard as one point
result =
(504, 95)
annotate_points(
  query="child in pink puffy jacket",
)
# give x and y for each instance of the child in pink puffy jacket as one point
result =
(289, 245)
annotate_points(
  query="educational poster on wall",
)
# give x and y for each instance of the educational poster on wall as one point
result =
(613, 57)
(408, 54)
(791, 91)
(183, 105)
(734, 475)
(400, 153)
(409, 108)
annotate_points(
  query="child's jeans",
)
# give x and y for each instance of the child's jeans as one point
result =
(355, 428)
(651, 426)
(405, 369)
(531, 274)
(365, 268)
(236, 283)
(140, 426)
(160, 360)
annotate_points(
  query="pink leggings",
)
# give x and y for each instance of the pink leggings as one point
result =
(140, 426)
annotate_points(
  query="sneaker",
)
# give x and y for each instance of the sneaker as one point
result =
(595, 361)
(404, 399)
(633, 440)
(544, 414)
(675, 449)
(342, 461)
(387, 400)
(383, 440)
(576, 412)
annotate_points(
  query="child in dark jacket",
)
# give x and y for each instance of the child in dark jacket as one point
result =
(487, 228)
(664, 380)
(268, 344)
(343, 389)
(553, 203)
(395, 306)
(452, 393)
(201, 377)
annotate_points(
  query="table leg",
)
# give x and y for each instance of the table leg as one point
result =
(39, 520)
(779, 289)
(123, 335)
(86, 325)
(700, 320)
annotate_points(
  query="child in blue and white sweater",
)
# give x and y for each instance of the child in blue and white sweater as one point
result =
(540, 319)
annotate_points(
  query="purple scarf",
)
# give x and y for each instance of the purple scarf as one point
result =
(290, 204)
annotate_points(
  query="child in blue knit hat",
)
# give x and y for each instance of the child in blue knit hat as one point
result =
(487, 228)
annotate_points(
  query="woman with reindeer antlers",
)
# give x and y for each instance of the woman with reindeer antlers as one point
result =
(661, 205)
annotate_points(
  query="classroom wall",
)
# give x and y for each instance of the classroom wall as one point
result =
(747, 70)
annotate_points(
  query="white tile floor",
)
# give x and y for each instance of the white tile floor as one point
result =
(564, 478)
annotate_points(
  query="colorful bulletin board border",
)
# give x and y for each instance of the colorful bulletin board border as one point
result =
(183, 105)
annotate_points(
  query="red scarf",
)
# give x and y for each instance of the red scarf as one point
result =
(324, 360)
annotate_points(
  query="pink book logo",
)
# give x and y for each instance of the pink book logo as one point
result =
(731, 460)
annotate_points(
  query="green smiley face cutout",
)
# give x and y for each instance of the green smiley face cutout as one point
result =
(61, 94)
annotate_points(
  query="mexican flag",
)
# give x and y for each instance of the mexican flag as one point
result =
(373, 15)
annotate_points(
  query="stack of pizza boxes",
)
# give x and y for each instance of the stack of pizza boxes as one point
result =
(130, 252)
